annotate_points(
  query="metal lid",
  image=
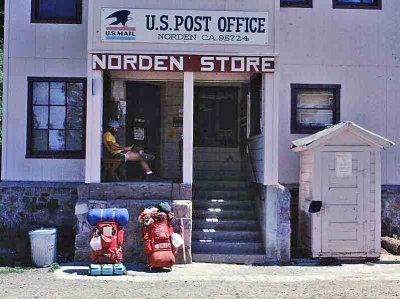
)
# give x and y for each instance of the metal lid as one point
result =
(43, 231)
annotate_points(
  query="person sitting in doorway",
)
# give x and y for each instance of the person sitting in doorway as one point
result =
(125, 153)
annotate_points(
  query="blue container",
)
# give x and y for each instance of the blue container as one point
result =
(119, 269)
(121, 216)
(95, 270)
(107, 269)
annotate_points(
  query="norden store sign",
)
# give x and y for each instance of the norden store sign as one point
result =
(184, 26)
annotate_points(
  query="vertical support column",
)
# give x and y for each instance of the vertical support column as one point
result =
(271, 129)
(94, 124)
(188, 110)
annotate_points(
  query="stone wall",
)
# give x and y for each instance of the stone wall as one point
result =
(274, 214)
(29, 205)
(390, 210)
(135, 198)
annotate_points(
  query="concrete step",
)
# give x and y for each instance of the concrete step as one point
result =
(199, 203)
(227, 247)
(221, 194)
(224, 214)
(219, 175)
(229, 236)
(220, 185)
(226, 224)
(246, 259)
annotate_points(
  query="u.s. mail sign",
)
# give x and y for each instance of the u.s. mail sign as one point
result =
(184, 26)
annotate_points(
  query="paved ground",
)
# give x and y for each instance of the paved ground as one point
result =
(373, 280)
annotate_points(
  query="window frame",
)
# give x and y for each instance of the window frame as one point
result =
(336, 88)
(377, 5)
(30, 154)
(35, 18)
(305, 4)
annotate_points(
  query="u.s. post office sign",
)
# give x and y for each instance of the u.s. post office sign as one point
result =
(184, 26)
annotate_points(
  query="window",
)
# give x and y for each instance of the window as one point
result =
(56, 118)
(314, 107)
(56, 11)
(296, 3)
(366, 4)
(255, 105)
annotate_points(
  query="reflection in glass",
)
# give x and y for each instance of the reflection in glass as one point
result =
(75, 94)
(74, 140)
(315, 99)
(57, 8)
(314, 118)
(74, 117)
(39, 140)
(57, 117)
(57, 93)
(40, 117)
(56, 140)
(40, 93)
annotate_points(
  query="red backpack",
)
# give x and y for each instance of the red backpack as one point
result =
(158, 246)
(112, 238)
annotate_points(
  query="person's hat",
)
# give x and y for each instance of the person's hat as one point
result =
(113, 124)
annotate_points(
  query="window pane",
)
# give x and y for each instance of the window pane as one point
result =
(57, 140)
(74, 117)
(357, 1)
(57, 117)
(75, 94)
(294, 1)
(315, 99)
(57, 8)
(314, 118)
(40, 93)
(74, 140)
(40, 140)
(57, 93)
(40, 117)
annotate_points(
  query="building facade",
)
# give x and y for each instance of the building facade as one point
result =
(217, 90)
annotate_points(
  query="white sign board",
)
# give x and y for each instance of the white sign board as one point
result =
(344, 165)
(138, 133)
(184, 26)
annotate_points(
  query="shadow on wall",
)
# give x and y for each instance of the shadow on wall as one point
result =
(27, 206)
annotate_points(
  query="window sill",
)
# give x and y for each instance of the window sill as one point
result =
(55, 157)
(57, 22)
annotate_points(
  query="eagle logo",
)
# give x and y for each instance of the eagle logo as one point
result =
(122, 17)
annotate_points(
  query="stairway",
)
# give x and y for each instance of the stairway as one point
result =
(225, 224)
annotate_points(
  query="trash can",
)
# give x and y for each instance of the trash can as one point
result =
(43, 246)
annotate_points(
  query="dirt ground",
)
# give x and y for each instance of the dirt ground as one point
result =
(306, 280)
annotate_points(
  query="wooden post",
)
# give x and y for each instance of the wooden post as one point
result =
(94, 124)
(188, 110)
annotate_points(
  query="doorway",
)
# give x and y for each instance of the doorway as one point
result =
(218, 138)
(143, 120)
(215, 119)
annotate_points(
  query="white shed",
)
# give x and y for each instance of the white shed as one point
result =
(340, 192)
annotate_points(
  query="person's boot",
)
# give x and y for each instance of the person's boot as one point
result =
(146, 156)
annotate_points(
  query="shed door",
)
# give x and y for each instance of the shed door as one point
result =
(344, 200)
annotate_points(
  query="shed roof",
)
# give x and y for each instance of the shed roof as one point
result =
(323, 136)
